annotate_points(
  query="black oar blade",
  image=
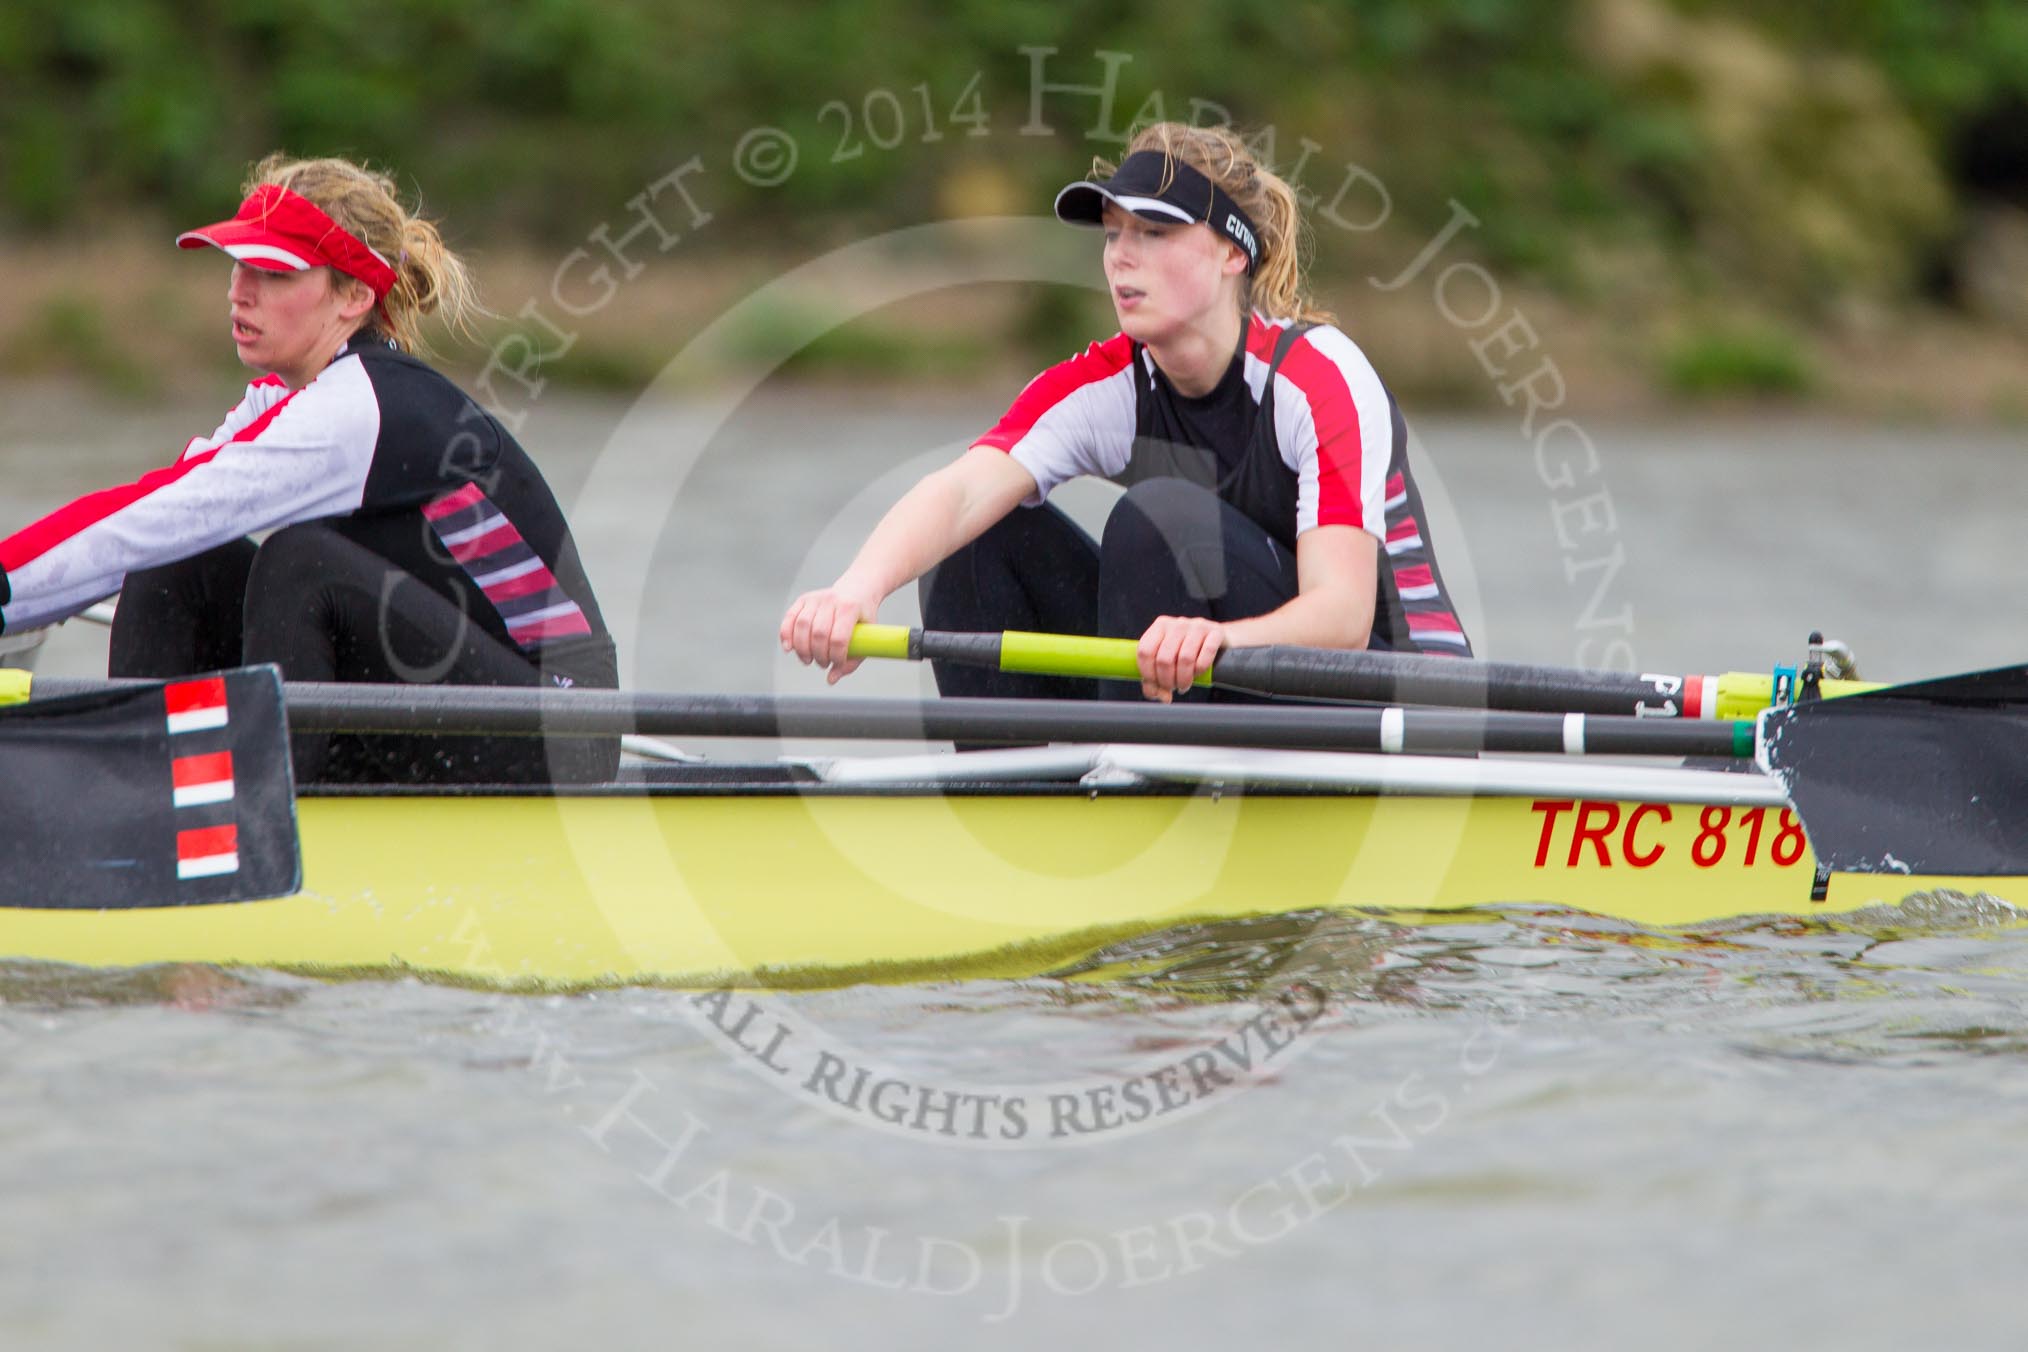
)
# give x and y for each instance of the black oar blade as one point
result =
(1998, 686)
(1930, 778)
(169, 794)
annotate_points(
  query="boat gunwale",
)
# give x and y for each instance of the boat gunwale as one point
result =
(798, 780)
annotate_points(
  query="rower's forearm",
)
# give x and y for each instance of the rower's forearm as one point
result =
(1313, 619)
(915, 535)
(942, 513)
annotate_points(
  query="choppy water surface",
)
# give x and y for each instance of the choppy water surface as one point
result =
(1523, 1126)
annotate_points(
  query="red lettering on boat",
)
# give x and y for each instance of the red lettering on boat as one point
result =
(1596, 835)
(1551, 809)
(1631, 850)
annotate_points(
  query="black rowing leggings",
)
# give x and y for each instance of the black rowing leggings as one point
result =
(1170, 548)
(324, 608)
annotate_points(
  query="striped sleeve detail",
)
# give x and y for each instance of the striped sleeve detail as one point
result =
(1334, 424)
(503, 566)
(1075, 418)
(1404, 535)
(1430, 622)
(1437, 630)
(1416, 583)
(1341, 434)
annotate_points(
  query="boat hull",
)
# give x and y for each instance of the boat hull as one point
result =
(800, 886)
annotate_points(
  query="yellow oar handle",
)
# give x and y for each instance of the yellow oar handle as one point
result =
(14, 686)
(1742, 694)
(880, 640)
(1015, 650)
(1073, 655)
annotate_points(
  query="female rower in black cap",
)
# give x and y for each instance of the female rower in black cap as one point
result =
(1269, 498)
(413, 539)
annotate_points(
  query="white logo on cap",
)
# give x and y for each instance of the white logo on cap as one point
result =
(1237, 229)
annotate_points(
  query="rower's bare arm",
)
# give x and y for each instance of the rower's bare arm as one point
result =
(1337, 572)
(1333, 608)
(945, 510)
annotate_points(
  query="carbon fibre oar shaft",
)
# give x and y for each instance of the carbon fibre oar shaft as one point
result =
(1335, 674)
(591, 713)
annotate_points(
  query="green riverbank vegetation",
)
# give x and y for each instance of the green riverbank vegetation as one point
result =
(1681, 200)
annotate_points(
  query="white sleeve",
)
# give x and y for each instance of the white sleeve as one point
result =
(1075, 418)
(1335, 426)
(281, 457)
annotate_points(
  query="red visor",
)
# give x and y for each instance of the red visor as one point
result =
(281, 231)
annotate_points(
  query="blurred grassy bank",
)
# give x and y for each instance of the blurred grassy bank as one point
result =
(1704, 200)
(136, 319)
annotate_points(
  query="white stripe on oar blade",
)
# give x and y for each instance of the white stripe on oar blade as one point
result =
(197, 720)
(208, 866)
(197, 795)
(1573, 734)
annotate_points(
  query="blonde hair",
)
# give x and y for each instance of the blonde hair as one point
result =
(428, 277)
(1279, 287)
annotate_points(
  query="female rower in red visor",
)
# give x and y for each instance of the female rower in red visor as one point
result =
(1269, 498)
(413, 539)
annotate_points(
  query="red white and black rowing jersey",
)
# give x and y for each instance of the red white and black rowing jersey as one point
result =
(1299, 433)
(412, 468)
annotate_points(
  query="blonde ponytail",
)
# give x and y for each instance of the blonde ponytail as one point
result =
(428, 277)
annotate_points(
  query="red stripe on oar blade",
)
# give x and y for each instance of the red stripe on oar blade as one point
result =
(207, 851)
(194, 705)
(202, 779)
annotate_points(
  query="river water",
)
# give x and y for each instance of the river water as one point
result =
(1516, 1128)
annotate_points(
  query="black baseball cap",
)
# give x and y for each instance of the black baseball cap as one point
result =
(1159, 187)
